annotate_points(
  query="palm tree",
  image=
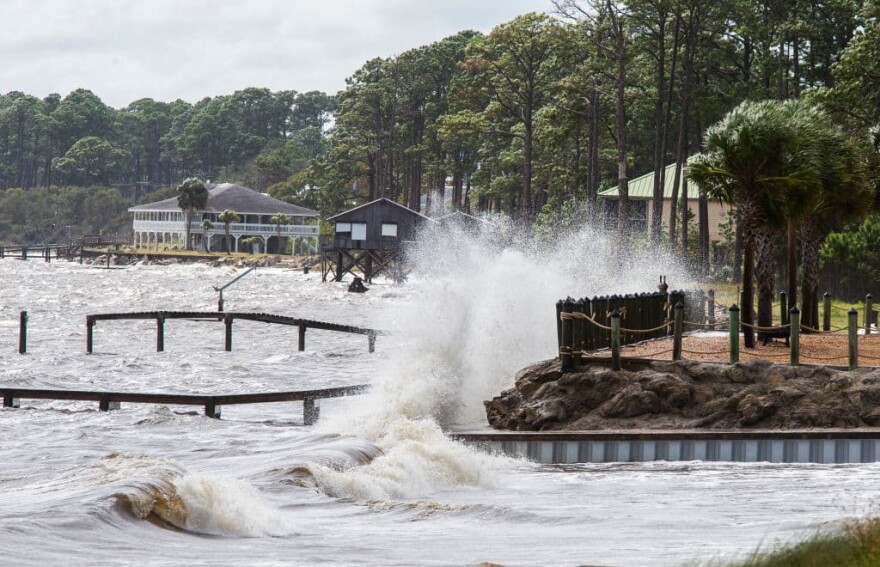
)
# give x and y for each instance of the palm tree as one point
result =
(227, 217)
(745, 164)
(192, 195)
(207, 226)
(279, 220)
(844, 195)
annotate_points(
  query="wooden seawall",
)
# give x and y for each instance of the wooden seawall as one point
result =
(211, 403)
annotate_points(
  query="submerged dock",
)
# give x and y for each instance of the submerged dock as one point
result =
(212, 404)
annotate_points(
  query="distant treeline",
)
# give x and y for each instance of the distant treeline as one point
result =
(532, 119)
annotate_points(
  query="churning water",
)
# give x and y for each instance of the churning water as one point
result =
(377, 482)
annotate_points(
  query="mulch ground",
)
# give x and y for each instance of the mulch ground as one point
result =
(815, 349)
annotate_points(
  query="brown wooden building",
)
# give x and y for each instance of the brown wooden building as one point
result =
(369, 238)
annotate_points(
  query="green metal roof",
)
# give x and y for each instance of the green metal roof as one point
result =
(643, 187)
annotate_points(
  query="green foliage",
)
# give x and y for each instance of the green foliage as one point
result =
(855, 544)
(47, 215)
(90, 160)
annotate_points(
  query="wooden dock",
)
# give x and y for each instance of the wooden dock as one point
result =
(227, 318)
(211, 403)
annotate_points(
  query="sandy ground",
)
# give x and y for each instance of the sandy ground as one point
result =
(827, 349)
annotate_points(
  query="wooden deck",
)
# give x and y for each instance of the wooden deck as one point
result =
(211, 403)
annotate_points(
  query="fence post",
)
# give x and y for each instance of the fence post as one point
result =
(677, 329)
(826, 312)
(577, 335)
(702, 318)
(869, 303)
(783, 308)
(795, 335)
(615, 340)
(852, 317)
(160, 333)
(227, 320)
(565, 354)
(22, 332)
(734, 333)
(711, 319)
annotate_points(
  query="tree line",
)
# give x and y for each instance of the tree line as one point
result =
(532, 119)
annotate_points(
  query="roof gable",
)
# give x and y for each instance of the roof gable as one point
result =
(380, 202)
(642, 187)
(235, 198)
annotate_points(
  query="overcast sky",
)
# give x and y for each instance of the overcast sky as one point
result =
(123, 50)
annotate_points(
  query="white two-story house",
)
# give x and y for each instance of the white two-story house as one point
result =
(162, 224)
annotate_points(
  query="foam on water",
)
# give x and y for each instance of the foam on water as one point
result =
(482, 308)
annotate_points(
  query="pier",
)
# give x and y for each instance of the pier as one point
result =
(212, 404)
(227, 318)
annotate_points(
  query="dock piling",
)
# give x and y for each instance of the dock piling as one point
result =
(160, 333)
(311, 411)
(302, 337)
(711, 309)
(22, 332)
(795, 337)
(371, 341)
(227, 320)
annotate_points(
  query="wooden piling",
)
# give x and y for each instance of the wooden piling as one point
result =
(160, 333)
(677, 331)
(90, 335)
(869, 304)
(22, 332)
(11, 402)
(24, 252)
(302, 337)
(48, 254)
(826, 312)
(734, 333)
(852, 319)
(615, 340)
(228, 322)
(311, 411)
(212, 409)
(577, 335)
(565, 354)
(783, 308)
(371, 342)
(795, 335)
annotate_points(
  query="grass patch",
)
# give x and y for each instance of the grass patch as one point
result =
(855, 544)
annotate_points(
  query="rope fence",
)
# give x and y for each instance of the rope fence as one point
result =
(581, 334)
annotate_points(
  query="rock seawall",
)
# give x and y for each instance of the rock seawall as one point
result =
(687, 395)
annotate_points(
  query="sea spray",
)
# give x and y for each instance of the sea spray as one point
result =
(482, 307)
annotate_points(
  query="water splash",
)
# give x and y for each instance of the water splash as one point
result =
(482, 307)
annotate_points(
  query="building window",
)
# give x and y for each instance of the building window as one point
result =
(389, 229)
(358, 231)
(343, 227)
(638, 216)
